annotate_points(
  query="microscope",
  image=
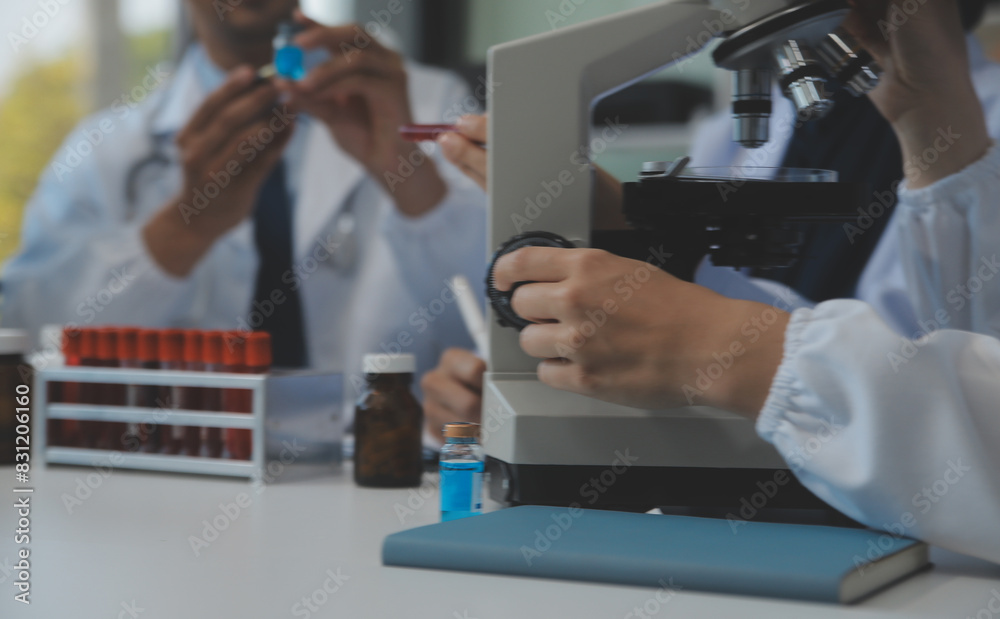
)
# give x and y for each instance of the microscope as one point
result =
(555, 448)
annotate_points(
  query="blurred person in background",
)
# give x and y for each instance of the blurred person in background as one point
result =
(227, 201)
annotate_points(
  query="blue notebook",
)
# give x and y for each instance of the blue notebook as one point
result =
(800, 562)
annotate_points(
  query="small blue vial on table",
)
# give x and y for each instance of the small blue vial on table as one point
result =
(289, 60)
(461, 469)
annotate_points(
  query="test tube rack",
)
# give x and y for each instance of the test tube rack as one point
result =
(296, 412)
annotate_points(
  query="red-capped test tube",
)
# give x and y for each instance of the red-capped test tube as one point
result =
(128, 358)
(90, 431)
(211, 358)
(112, 433)
(66, 432)
(257, 360)
(191, 398)
(234, 359)
(171, 358)
(148, 396)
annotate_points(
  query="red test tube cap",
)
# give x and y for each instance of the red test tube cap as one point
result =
(192, 346)
(107, 344)
(148, 346)
(234, 348)
(88, 343)
(128, 344)
(211, 348)
(259, 350)
(71, 341)
(171, 345)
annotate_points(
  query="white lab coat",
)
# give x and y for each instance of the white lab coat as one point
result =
(906, 301)
(900, 434)
(897, 435)
(83, 260)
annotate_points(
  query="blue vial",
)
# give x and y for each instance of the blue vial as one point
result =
(289, 60)
(461, 468)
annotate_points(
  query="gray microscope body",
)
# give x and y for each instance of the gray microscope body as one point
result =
(550, 447)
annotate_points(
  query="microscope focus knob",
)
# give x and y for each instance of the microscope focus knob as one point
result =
(500, 300)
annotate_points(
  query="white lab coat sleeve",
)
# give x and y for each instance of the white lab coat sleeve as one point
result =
(80, 264)
(899, 435)
(947, 235)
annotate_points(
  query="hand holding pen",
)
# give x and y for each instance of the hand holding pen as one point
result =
(463, 144)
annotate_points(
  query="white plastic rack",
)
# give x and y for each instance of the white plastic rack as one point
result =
(295, 414)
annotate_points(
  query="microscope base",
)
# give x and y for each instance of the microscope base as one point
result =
(745, 494)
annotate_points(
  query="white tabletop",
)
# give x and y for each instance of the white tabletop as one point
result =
(127, 545)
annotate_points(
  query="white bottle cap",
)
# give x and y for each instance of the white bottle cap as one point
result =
(390, 364)
(51, 337)
(13, 342)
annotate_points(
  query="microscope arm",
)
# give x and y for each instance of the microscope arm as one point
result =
(540, 120)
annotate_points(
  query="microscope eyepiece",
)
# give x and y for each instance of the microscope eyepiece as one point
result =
(849, 63)
(803, 79)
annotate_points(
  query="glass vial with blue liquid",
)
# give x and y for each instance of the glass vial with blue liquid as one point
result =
(289, 59)
(461, 468)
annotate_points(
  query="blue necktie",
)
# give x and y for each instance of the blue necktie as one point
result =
(278, 305)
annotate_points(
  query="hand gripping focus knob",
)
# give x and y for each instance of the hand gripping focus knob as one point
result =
(500, 300)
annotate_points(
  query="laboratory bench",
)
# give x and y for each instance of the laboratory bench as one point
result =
(112, 543)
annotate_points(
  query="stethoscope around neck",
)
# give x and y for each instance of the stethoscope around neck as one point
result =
(342, 230)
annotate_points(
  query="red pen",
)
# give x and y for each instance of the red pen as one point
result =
(428, 133)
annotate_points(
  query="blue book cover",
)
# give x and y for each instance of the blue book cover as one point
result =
(801, 562)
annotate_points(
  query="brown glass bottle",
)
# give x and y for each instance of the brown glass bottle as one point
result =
(388, 423)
